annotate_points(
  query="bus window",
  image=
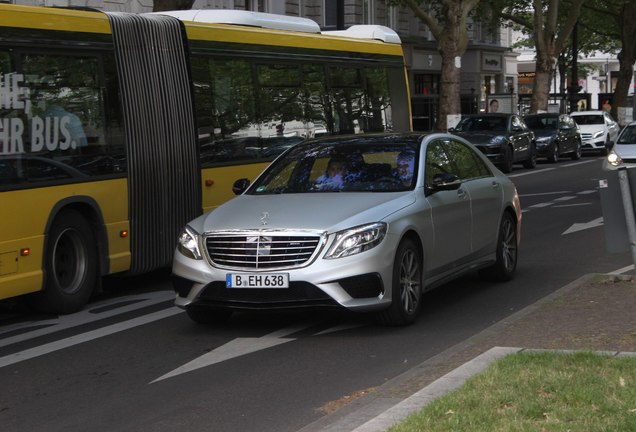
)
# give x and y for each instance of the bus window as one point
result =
(224, 99)
(348, 96)
(315, 101)
(62, 121)
(377, 116)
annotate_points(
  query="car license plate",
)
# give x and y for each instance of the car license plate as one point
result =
(260, 280)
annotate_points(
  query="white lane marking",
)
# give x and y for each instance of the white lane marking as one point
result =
(235, 348)
(580, 162)
(545, 193)
(85, 337)
(565, 198)
(540, 205)
(88, 315)
(572, 205)
(338, 328)
(622, 270)
(587, 192)
(583, 226)
(531, 172)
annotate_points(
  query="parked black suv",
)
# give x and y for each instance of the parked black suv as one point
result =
(556, 135)
(504, 138)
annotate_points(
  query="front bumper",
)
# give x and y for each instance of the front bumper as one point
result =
(361, 282)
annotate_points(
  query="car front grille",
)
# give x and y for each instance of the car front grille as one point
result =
(586, 136)
(261, 250)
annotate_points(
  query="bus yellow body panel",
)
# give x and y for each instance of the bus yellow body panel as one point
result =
(25, 214)
(217, 182)
(53, 19)
(281, 38)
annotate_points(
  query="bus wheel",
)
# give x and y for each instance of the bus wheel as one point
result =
(70, 265)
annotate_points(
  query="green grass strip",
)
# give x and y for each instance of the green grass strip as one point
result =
(538, 392)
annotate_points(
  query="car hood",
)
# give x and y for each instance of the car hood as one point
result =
(625, 151)
(481, 137)
(591, 128)
(310, 211)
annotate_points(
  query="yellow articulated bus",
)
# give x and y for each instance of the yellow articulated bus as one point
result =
(116, 129)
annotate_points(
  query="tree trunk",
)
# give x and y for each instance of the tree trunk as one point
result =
(541, 86)
(449, 101)
(451, 45)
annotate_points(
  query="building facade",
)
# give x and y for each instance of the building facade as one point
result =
(488, 68)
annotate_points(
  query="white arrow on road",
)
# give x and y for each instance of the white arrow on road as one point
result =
(583, 226)
(236, 348)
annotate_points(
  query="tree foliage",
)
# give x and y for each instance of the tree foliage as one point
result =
(614, 20)
(447, 22)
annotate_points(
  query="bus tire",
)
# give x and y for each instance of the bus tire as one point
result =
(70, 265)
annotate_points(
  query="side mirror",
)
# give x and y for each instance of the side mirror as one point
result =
(451, 130)
(445, 181)
(240, 186)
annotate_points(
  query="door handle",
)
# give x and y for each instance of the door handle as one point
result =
(461, 193)
(495, 185)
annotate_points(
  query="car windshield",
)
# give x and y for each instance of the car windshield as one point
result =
(376, 164)
(472, 124)
(628, 136)
(589, 119)
(542, 123)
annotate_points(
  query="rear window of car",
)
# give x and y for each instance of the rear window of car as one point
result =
(589, 119)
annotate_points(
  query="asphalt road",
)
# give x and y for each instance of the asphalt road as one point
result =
(133, 362)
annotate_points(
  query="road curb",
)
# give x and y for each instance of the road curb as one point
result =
(384, 407)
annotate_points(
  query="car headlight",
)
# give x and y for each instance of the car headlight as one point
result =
(355, 240)
(498, 140)
(598, 134)
(614, 159)
(188, 243)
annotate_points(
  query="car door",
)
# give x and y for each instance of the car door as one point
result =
(521, 138)
(485, 193)
(612, 127)
(450, 214)
(565, 134)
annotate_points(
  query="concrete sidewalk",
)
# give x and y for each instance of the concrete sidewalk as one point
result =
(593, 313)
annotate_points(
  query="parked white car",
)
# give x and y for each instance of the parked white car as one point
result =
(624, 152)
(599, 131)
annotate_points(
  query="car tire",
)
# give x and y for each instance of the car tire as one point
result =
(553, 155)
(70, 265)
(531, 162)
(506, 255)
(578, 151)
(505, 164)
(406, 292)
(208, 316)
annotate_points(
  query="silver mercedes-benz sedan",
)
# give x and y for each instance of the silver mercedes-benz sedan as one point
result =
(364, 222)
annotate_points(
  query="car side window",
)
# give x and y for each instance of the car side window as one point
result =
(437, 162)
(469, 165)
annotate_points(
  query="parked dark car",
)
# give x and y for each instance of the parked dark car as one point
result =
(504, 138)
(556, 135)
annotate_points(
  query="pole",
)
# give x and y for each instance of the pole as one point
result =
(630, 221)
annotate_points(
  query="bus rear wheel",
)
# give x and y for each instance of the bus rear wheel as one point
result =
(70, 265)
